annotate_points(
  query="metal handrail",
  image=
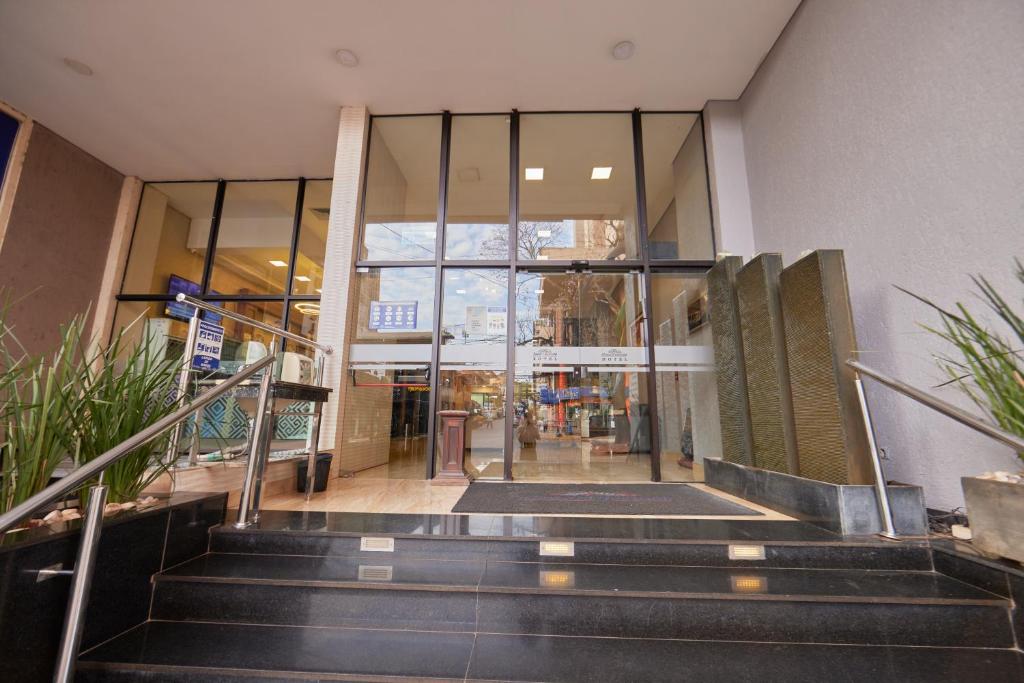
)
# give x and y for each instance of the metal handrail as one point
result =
(291, 336)
(95, 467)
(948, 409)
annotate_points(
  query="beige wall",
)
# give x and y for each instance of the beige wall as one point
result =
(892, 130)
(56, 243)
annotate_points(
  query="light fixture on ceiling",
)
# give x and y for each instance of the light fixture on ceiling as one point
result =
(310, 308)
(80, 68)
(346, 58)
(278, 263)
(623, 50)
(460, 291)
(534, 174)
(538, 291)
(601, 173)
(302, 278)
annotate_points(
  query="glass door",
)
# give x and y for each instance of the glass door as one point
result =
(580, 404)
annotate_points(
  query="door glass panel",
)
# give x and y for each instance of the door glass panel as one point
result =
(686, 390)
(474, 323)
(581, 407)
(386, 412)
(577, 189)
(309, 259)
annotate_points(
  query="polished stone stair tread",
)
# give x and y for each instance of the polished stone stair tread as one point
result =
(745, 583)
(529, 526)
(203, 651)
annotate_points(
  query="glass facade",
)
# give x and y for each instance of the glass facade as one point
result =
(560, 257)
(252, 247)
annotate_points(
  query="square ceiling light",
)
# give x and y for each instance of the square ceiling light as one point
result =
(302, 278)
(278, 264)
(534, 174)
(601, 173)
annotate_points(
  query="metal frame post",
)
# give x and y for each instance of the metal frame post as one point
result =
(884, 508)
(81, 582)
(183, 381)
(249, 502)
(314, 446)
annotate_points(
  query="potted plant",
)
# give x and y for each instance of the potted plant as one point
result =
(988, 366)
(76, 404)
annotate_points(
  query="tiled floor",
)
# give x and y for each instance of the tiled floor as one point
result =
(366, 493)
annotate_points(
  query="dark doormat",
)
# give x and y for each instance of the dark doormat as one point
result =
(594, 499)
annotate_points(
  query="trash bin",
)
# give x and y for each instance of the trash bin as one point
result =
(323, 470)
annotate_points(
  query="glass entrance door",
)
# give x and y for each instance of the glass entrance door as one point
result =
(581, 376)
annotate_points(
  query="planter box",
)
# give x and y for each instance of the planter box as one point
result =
(995, 511)
(847, 509)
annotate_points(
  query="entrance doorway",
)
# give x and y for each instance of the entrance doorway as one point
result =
(581, 378)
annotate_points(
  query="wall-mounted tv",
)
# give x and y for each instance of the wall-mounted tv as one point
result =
(180, 310)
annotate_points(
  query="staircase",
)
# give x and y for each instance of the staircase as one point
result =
(332, 596)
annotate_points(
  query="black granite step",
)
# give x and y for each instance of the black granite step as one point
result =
(386, 571)
(771, 605)
(597, 540)
(178, 652)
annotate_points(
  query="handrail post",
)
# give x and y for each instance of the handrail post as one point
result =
(884, 508)
(249, 502)
(183, 381)
(81, 582)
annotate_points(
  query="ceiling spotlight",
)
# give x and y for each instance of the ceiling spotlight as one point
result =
(302, 278)
(535, 174)
(277, 263)
(623, 50)
(601, 173)
(346, 58)
(80, 68)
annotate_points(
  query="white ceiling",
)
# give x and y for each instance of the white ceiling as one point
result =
(250, 88)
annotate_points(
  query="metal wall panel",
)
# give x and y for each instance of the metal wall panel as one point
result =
(830, 436)
(764, 355)
(734, 413)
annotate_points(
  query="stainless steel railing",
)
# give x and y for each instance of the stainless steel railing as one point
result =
(92, 521)
(948, 409)
(259, 443)
(248, 504)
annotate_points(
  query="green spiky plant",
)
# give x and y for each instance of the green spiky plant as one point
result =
(36, 426)
(986, 365)
(125, 388)
(78, 403)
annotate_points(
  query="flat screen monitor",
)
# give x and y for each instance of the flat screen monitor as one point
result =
(181, 310)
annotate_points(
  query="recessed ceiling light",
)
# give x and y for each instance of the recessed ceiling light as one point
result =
(538, 291)
(535, 174)
(302, 278)
(346, 58)
(319, 291)
(623, 50)
(80, 68)
(278, 264)
(460, 291)
(601, 173)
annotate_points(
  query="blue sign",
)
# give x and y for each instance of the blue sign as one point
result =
(209, 342)
(392, 315)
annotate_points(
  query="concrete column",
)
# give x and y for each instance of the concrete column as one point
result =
(339, 268)
(117, 259)
(727, 171)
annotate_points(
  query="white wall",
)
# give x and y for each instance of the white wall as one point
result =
(892, 129)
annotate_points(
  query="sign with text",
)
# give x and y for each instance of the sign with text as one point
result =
(209, 342)
(390, 316)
